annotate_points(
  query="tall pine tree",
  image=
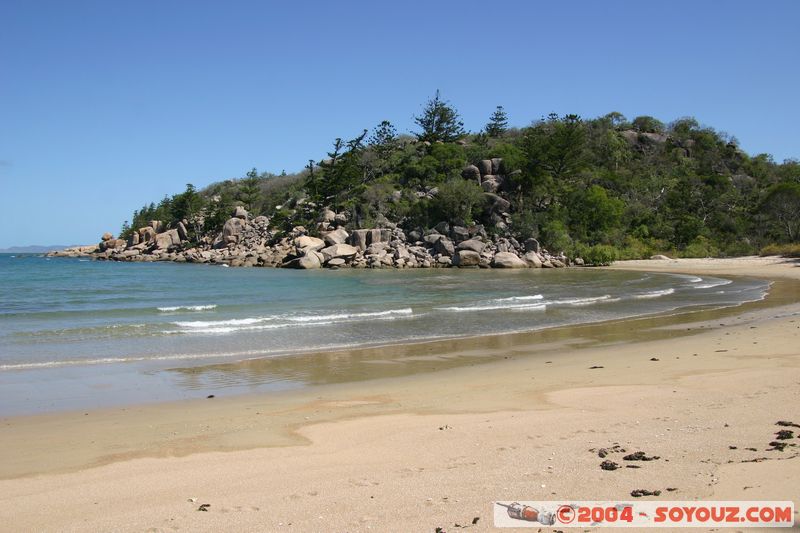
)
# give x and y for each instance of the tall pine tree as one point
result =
(498, 123)
(439, 122)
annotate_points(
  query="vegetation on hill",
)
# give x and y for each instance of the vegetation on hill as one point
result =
(611, 186)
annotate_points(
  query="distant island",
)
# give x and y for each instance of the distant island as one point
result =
(564, 190)
(32, 249)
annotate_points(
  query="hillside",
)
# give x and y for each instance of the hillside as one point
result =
(596, 189)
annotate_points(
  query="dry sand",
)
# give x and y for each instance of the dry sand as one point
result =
(435, 449)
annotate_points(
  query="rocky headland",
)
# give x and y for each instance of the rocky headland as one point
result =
(255, 242)
(245, 242)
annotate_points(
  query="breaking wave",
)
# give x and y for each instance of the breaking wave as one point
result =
(654, 294)
(186, 308)
(285, 321)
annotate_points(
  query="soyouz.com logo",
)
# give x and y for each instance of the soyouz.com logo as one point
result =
(581, 514)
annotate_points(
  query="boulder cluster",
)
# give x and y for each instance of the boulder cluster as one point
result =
(253, 243)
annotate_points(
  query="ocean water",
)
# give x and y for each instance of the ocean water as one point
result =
(72, 321)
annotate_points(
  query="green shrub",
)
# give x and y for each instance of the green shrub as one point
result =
(700, 247)
(555, 236)
(785, 250)
(635, 248)
(597, 255)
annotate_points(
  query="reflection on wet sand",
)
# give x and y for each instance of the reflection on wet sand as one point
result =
(352, 365)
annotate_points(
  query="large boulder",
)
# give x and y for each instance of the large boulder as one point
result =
(344, 251)
(305, 262)
(337, 236)
(459, 233)
(231, 230)
(380, 235)
(359, 239)
(431, 238)
(471, 173)
(167, 239)
(182, 233)
(532, 259)
(497, 163)
(472, 244)
(133, 240)
(496, 203)
(327, 216)
(306, 243)
(466, 258)
(485, 167)
(402, 253)
(107, 236)
(532, 245)
(240, 212)
(491, 184)
(147, 234)
(508, 260)
(445, 246)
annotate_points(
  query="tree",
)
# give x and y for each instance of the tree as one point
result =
(592, 212)
(250, 190)
(498, 123)
(457, 199)
(648, 124)
(342, 171)
(383, 141)
(617, 120)
(188, 205)
(556, 146)
(439, 122)
(782, 204)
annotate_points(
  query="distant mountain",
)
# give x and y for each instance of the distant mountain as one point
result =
(33, 249)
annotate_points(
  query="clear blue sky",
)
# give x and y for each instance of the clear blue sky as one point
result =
(107, 105)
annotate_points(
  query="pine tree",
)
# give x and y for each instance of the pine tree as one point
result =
(498, 123)
(383, 142)
(439, 122)
(250, 191)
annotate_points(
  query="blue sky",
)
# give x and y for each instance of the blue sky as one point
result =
(107, 105)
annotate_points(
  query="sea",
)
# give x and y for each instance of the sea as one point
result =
(77, 333)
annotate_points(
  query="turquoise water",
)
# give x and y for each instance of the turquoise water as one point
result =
(66, 322)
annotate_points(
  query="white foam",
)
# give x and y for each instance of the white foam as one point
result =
(186, 308)
(220, 323)
(519, 298)
(586, 301)
(690, 279)
(493, 307)
(284, 321)
(654, 294)
(717, 283)
(347, 316)
(235, 329)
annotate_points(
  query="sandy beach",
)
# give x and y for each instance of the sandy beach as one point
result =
(517, 418)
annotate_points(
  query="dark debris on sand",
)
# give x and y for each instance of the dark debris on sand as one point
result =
(640, 456)
(609, 465)
(638, 493)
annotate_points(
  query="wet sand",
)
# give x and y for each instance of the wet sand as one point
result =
(428, 435)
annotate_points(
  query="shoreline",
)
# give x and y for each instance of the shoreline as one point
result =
(226, 434)
(178, 376)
